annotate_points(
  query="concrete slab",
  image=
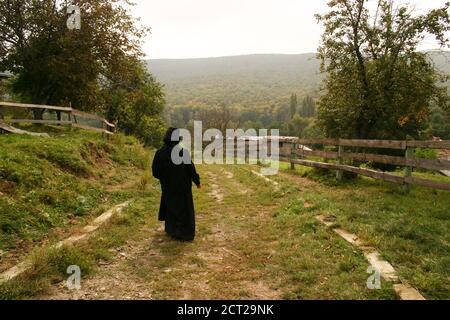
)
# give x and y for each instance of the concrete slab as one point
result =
(385, 268)
(14, 271)
(108, 214)
(408, 293)
(349, 237)
(387, 271)
(329, 222)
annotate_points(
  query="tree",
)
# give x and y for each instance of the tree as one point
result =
(55, 65)
(136, 104)
(438, 124)
(218, 117)
(308, 109)
(97, 68)
(378, 85)
(313, 131)
(297, 125)
(294, 105)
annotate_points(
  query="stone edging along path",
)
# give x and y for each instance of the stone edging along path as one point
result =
(275, 184)
(387, 271)
(84, 234)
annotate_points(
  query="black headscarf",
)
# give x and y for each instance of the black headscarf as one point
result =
(172, 137)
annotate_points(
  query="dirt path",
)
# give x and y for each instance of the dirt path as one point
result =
(255, 240)
(213, 267)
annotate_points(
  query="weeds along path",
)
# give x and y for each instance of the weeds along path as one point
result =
(253, 241)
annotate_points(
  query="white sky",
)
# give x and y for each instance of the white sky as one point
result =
(211, 28)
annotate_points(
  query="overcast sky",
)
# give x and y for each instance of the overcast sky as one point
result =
(211, 28)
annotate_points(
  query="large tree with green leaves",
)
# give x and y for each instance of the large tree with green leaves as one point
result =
(378, 84)
(97, 68)
(53, 64)
(136, 102)
(439, 124)
(308, 108)
(293, 105)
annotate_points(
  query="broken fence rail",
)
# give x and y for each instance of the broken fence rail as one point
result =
(73, 116)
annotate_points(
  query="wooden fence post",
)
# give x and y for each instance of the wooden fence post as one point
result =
(340, 173)
(104, 128)
(69, 114)
(408, 170)
(293, 150)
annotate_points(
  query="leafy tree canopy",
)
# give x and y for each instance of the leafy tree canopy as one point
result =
(378, 84)
(96, 68)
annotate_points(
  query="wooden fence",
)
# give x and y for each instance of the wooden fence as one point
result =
(298, 154)
(73, 117)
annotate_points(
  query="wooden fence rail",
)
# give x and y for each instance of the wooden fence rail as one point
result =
(298, 154)
(382, 144)
(73, 116)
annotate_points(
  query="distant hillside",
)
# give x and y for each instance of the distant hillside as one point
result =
(254, 81)
(251, 80)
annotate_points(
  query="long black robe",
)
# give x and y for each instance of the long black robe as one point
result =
(177, 205)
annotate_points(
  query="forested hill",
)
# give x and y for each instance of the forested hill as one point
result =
(251, 80)
(257, 64)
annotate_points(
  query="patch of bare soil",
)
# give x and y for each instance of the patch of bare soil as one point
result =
(260, 291)
(114, 281)
(216, 191)
(241, 188)
(228, 174)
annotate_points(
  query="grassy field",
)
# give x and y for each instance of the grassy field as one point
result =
(254, 240)
(50, 185)
(411, 231)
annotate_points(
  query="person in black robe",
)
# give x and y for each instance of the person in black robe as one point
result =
(177, 204)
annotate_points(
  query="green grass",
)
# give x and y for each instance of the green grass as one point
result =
(306, 261)
(50, 265)
(258, 242)
(410, 230)
(47, 183)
